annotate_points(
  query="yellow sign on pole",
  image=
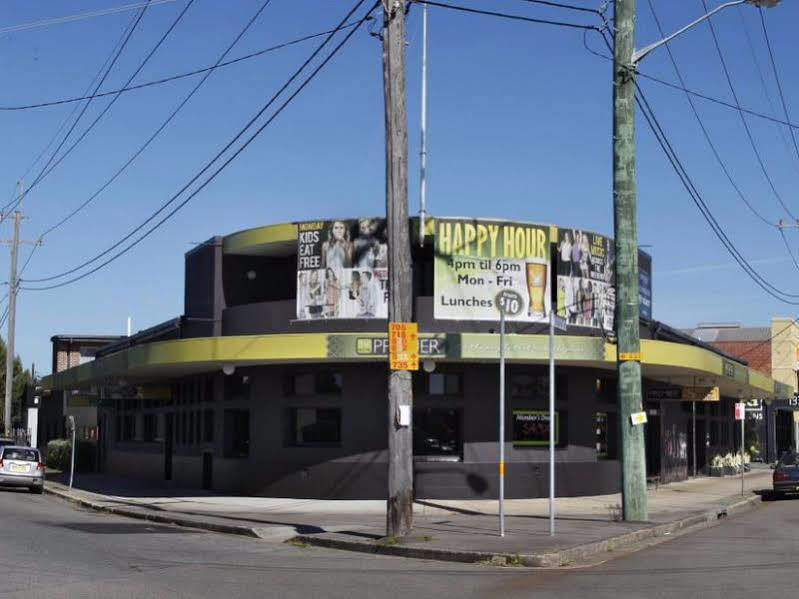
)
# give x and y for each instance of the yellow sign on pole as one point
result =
(700, 394)
(403, 345)
(630, 356)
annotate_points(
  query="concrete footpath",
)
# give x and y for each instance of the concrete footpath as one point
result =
(586, 528)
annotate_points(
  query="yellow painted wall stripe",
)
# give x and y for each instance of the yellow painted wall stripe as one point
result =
(250, 238)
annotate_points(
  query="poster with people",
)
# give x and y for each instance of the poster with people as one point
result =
(586, 277)
(476, 259)
(342, 269)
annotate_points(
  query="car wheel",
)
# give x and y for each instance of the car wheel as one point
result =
(36, 490)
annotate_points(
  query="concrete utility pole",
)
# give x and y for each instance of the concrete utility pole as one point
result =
(399, 513)
(12, 314)
(633, 462)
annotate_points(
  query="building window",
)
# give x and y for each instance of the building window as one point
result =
(601, 427)
(310, 384)
(128, 427)
(437, 432)
(209, 389)
(237, 433)
(149, 424)
(198, 429)
(190, 427)
(237, 387)
(313, 426)
(444, 384)
(208, 422)
(531, 428)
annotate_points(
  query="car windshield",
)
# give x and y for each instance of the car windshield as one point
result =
(26, 455)
(788, 459)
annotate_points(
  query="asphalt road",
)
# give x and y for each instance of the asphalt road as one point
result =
(49, 548)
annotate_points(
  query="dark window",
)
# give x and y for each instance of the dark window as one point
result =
(444, 384)
(148, 434)
(313, 383)
(24, 455)
(190, 426)
(313, 426)
(118, 431)
(208, 422)
(128, 427)
(237, 433)
(198, 429)
(237, 386)
(437, 431)
(209, 389)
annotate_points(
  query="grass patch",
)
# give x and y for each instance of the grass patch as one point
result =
(297, 542)
(388, 541)
(427, 538)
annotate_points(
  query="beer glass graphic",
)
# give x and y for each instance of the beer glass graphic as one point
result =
(536, 286)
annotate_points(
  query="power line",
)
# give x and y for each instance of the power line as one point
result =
(163, 125)
(46, 171)
(743, 118)
(703, 208)
(788, 247)
(766, 93)
(78, 16)
(567, 6)
(75, 109)
(692, 92)
(175, 77)
(777, 77)
(769, 340)
(505, 15)
(230, 159)
(696, 197)
(702, 126)
(18, 199)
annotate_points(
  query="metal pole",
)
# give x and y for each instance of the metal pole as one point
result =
(551, 422)
(633, 462)
(72, 468)
(423, 153)
(693, 428)
(743, 419)
(12, 316)
(502, 423)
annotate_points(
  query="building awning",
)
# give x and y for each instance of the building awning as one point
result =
(668, 362)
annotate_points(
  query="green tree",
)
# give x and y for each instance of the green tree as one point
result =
(22, 378)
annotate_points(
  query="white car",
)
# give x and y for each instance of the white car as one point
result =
(21, 467)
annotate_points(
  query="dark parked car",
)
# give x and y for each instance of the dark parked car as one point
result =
(786, 474)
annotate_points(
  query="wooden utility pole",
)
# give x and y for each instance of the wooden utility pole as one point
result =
(12, 316)
(399, 509)
(633, 462)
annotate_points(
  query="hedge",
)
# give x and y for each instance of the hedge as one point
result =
(59, 455)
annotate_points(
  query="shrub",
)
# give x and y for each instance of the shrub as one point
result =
(59, 455)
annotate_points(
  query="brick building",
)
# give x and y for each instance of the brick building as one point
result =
(70, 351)
(771, 350)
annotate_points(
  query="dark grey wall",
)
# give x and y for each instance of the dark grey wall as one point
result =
(357, 469)
(203, 298)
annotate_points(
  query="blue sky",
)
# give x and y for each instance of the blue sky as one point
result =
(519, 128)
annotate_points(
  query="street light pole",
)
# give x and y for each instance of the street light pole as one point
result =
(633, 463)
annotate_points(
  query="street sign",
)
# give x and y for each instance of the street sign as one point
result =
(638, 418)
(560, 323)
(509, 302)
(700, 394)
(740, 411)
(630, 356)
(403, 346)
